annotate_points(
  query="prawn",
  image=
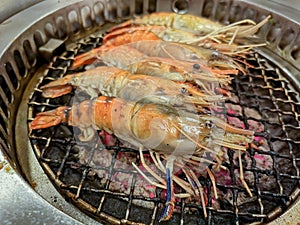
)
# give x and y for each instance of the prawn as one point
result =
(132, 60)
(127, 57)
(128, 35)
(156, 127)
(186, 22)
(173, 50)
(175, 35)
(185, 52)
(198, 25)
(115, 82)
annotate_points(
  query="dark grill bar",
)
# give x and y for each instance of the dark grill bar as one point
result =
(263, 100)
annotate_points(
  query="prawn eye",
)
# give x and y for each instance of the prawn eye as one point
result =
(209, 124)
(183, 90)
(196, 66)
(67, 112)
(215, 55)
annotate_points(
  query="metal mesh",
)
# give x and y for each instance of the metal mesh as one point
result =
(263, 100)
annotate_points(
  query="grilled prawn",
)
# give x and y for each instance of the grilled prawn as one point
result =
(198, 25)
(185, 52)
(135, 34)
(179, 51)
(209, 80)
(156, 127)
(115, 82)
(134, 61)
(153, 126)
(144, 32)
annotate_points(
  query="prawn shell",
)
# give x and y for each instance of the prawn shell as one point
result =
(164, 129)
(186, 22)
(120, 38)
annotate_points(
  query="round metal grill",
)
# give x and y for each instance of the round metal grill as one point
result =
(101, 181)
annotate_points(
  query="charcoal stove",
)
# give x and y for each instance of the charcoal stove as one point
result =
(29, 57)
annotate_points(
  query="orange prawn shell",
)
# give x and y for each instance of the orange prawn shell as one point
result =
(124, 37)
(136, 122)
(143, 125)
(114, 116)
(103, 113)
(153, 128)
(158, 128)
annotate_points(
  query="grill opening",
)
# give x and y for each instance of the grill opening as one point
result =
(180, 6)
(100, 179)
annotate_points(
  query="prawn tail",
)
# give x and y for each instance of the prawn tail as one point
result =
(50, 118)
(84, 59)
(58, 87)
(57, 91)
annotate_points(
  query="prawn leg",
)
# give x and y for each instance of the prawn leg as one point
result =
(148, 168)
(193, 180)
(183, 184)
(147, 179)
(170, 199)
(242, 178)
(213, 181)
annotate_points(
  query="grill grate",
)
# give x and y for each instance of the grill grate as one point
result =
(263, 100)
